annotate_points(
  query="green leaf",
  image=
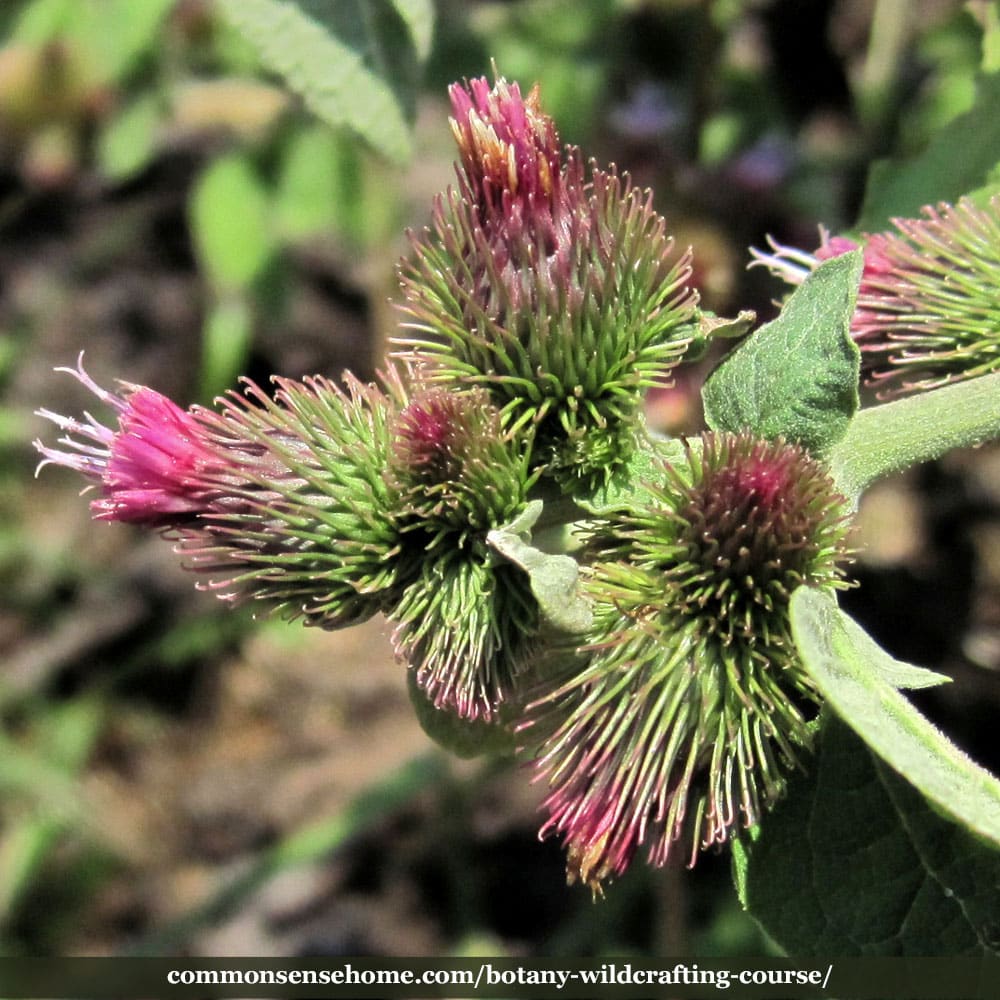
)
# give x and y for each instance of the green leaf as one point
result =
(330, 76)
(839, 656)
(376, 31)
(229, 222)
(127, 142)
(308, 193)
(24, 847)
(988, 14)
(418, 16)
(114, 34)
(34, 776)
(553, 577)
(328, 181)
(70, 731)
(227, 336)
(850, 639)
(120, 32)
(40, 21)
(959, 159)
(855, 862)
(796, 376)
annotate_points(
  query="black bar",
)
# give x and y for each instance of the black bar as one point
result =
(499, 978)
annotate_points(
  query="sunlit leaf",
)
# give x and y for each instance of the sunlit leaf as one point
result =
(798, 375)
(312, 192)
(113, 34)
(229, 222)
(418, 15)
(959, 159)
(127, 143)
(553, 578)
(330, 76)
(227, 335)
(843, 660)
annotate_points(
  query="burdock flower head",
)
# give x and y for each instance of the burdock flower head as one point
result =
(281, 499)
(927, 311)
(558, 294)
(467, 624)
(691, 706)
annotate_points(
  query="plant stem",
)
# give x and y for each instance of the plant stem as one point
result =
(888, 438)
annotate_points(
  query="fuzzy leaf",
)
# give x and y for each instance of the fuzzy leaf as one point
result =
(840, 657)
(330, 75)
(854, 861)
(382, 34)
(796, 376)
(938, 174)
(553, 577)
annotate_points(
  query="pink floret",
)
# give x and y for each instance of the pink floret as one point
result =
(157, 462)
(159, 466)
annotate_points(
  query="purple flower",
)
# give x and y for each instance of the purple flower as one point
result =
(160, 467)
(510, 152)
(559, 294)
(282, 498)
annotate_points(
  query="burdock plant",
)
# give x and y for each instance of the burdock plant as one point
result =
(651, 623)
(467, 624)
(279, 498)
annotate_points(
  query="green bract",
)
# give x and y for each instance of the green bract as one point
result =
(468, 621)
(316, 530)
(467, 628)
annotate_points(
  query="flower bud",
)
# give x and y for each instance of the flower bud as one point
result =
(281, 499)
(690, 707)
(511, 158)
(559, 295)
(453, 464)
(927, 310)
(159, 468)
(466, 624)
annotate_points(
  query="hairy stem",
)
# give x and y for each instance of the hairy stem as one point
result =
(888, 438)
